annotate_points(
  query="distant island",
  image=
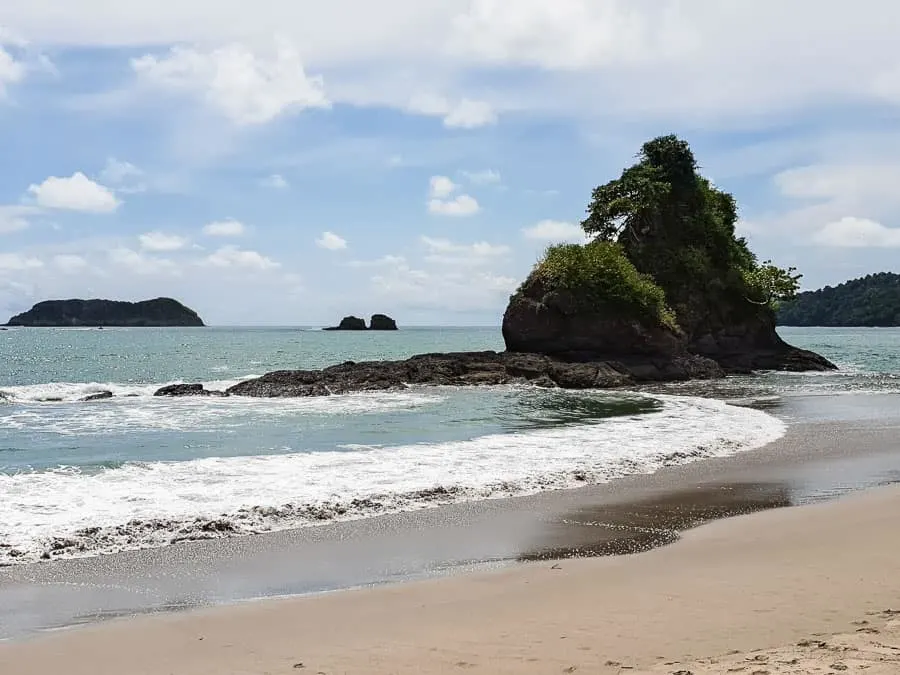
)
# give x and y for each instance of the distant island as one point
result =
(159, 312)
(873, 300)
(377, 322)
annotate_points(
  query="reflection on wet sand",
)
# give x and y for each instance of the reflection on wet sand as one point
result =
(632, 527)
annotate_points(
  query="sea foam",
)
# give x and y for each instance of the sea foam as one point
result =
(65, 512)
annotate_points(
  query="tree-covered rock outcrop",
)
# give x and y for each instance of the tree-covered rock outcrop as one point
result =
(70, 313)
(873, 300)
(664, 273)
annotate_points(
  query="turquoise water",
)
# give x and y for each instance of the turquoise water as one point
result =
(146, 356)
(81, 478)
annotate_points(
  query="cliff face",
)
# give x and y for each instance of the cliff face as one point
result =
(159, 312)
(542, 320)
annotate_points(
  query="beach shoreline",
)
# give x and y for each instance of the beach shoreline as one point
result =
(814, 461)
(755, 582)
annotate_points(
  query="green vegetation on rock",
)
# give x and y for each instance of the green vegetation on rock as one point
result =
(873, 300)
(665, 246)
(604, 278)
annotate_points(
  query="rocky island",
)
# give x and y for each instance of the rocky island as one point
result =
(870, 301)
(664, 290)
(160, 312)
(377, 322)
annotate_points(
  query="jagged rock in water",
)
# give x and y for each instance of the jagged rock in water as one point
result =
(382, 322)
(99, 396)
(159, 312)
(349, 323)
(178, 390)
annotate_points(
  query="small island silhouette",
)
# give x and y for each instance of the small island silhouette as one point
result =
(377, 322)
(159, 312)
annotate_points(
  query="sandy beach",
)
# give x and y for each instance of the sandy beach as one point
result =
(816, 584)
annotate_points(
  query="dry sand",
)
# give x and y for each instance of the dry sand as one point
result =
(788, 590)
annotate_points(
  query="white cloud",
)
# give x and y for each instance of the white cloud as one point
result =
(232, 256)
(76, 193)
(483, 177)
(841, 181)
(468, 114)
(70, 263)
(442, 290)
(245, 87)
(656, 58)
(11, 71)
(555, 231)
(160, 241)
(480, 249)
(224, 228)
(138, 263)
(383, 261)
(823, 194)
(461, 205)
(853, 232)
(571, 34)
(117, 171)
(441, 187)
(14, 218)
(478, 254)
(463, 114)
(331, 241)
(439, 190)
(15, 262)
(276, 181)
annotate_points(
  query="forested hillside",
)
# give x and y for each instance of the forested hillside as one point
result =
(873, 300)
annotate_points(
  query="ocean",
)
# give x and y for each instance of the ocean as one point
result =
(83, 478)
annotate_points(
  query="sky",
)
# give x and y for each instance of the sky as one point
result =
(288, 162)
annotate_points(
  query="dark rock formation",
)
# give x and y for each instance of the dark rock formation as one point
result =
(99, 396)
(66, 313)
(349, 323)
(382, 322)
(178, 390)
(473, 368)
(541, 320)
(378, 322)
(753, 344)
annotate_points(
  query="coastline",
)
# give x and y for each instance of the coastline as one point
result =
(816, 460)
(770, 579)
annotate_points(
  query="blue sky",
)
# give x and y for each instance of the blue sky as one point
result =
(290, 162)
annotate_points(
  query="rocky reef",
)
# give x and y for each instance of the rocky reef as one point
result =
(159, 312)
(463, 368)
(377, 322)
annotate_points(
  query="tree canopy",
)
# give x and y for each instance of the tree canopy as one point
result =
(676, 227)
(603, 277)
(873, 300)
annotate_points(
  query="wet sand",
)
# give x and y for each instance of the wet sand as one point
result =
(784, 590)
